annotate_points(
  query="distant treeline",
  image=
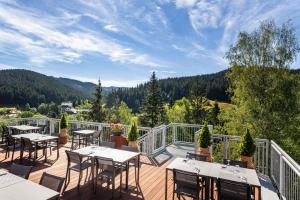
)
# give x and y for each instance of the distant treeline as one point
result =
(19, 87)
(212, 86)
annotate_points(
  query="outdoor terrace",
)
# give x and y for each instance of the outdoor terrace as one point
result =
(159, 146)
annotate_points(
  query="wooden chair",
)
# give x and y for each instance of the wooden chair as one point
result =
(77, 164)
(186, 184)
(231, 190)
(196, 156)
(20, 170)
(52, 182)
(242, 164)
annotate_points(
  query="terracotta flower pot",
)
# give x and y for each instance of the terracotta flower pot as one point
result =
(249, 161)
(63, 136)
(132, 144)
(204, 152)
(116, 133)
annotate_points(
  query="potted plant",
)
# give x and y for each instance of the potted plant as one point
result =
(204, 141)
(63, 136)
(117, 129)
(247, 149)
(116, 135)
(133, 135)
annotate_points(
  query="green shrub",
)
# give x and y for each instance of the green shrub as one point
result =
(247, 146)
(204, 139)
(133, 133)
(26, 114)
(63, 121)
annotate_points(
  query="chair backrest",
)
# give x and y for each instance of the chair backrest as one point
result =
(97, 134)
(127, 148)
(20, 170)
(233, 190)
(73, 157)
(52, 182)
(108, 144)
(42, 128)
(187, 180)
(242, 164)
(196, 156)
(105, 164)
(9, 140)
(26, 143)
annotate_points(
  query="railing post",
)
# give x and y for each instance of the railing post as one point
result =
(51, 124)
(281, 175)
(174, 133)
(164, 137)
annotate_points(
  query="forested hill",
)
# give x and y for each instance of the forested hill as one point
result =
(18, 87)
(213, 86)
(85, 87)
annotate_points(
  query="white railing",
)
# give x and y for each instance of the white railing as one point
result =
(228, 145)
(285, 173)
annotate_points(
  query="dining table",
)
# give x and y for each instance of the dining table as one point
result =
(213, 171)
(122, 157)
(13, 187)
(24, 128)
(84, 133)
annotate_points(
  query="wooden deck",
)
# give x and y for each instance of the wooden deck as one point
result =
(152, 179)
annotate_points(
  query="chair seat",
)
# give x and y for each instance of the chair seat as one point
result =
(186, 191)
(84, 165)
(108, 174)
(17, 146)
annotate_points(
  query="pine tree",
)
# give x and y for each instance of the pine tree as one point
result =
(97, 112)
(153, 110)
(213, 115)
(198, 101)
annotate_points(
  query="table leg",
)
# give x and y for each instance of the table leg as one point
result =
(259, 193)
(207, 183)
(46, 151)
(35, 151)
(72, 141)
(121, 180)
(138, 175)
(127, 174)
(166, 185)
(212, 189)
(57, 149)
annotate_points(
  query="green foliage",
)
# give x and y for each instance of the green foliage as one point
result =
(267, 46)
(247, 146)
(264, 91)
(153, 110)
(180, 112)
(213, 115)
(19, 87)
(63, 121)
(125, 113)
(50, 110)
(213, 86)
(97, 112)
(26, 114)
(204, 138)
(133, 133)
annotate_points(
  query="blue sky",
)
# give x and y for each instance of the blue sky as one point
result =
(122, 42)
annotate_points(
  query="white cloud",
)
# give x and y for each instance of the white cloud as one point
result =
(43, 40)
(185, 3)
(112, 28)
(205, 14)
